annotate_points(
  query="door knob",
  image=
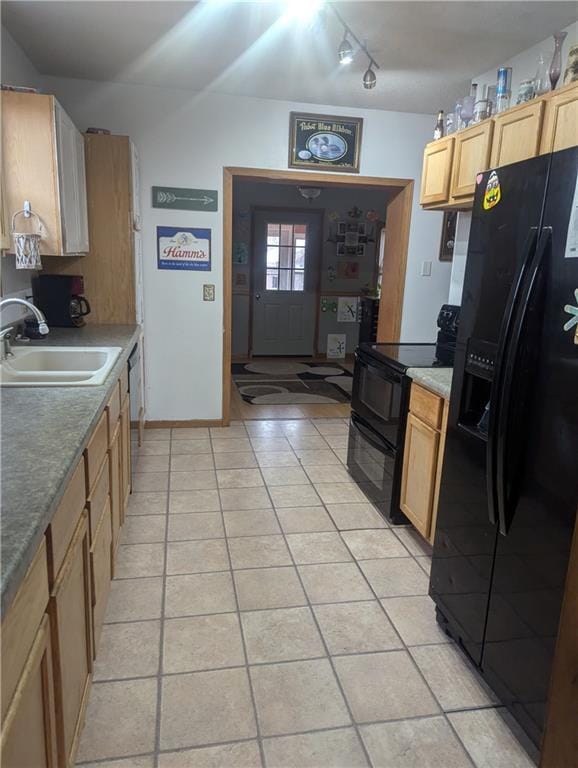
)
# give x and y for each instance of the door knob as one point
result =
(257, 296)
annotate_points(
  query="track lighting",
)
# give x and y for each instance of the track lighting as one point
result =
(369, 78)
(345, 51)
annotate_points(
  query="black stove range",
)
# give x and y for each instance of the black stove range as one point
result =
(379, 406)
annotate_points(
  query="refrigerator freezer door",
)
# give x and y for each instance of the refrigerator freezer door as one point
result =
(465, 538)
(532, 559)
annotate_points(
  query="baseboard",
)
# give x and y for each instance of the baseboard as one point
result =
(185, 423)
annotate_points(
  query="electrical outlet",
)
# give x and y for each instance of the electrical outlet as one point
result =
(209, 292)
(425, 269)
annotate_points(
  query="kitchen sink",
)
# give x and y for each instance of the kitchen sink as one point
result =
(57, 366)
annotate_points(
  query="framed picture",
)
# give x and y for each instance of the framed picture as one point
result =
(325, 141)
(448, 238)
(340, 249)
(361, 249)
(351, 238)
(341, 228)
(184, 248)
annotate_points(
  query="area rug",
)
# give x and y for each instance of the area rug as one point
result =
(284, 382)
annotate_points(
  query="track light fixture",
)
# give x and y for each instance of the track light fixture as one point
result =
(345, 51)
(369, 78)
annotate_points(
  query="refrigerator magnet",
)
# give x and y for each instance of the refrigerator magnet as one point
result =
(493, 193)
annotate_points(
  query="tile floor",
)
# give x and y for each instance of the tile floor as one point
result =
(264, 614)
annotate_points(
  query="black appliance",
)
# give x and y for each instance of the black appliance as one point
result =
(60, 298)
(509, 489)
(379, 405)
(448, 324)
(369, 318)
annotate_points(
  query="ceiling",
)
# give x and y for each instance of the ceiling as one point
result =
(428, 51)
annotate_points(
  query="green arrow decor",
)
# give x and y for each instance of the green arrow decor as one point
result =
(179, 198)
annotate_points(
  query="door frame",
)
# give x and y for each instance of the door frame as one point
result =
(394, 261)
(320, 212)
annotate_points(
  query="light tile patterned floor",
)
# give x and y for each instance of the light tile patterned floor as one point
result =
(264, 614)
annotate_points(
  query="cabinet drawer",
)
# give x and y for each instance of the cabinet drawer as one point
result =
(65, 520)
(113, 412)
(96, 451)
(101, 573)
(21, 623)
(426, 406)
(96, 502)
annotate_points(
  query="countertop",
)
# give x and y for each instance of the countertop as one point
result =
(438, 380)
(44, 432)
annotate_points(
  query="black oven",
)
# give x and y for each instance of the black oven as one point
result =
(371, 463)
(380, 397)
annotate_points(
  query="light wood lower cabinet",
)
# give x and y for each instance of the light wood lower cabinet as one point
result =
(125, 477)
(70, 614)
(101, 572)
(51, 630)
(422, 459)
(29, 728)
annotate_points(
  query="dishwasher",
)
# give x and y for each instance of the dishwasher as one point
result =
(135, 388)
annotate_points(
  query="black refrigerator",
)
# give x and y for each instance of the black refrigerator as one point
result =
(509, 491)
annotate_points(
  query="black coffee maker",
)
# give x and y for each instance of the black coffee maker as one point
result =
(60, 298)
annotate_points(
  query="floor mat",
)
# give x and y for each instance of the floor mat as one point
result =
(286, 382)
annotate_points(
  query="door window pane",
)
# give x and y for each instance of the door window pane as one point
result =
(286, 256)
(272, 256)
(298, 281)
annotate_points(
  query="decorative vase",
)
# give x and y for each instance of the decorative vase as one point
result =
(556, 63)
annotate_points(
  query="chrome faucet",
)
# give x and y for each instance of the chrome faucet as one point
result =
(5, 349)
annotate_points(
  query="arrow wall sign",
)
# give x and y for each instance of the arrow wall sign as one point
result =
(182, 199)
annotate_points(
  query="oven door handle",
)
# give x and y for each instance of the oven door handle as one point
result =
(377, 442)
(385, 371)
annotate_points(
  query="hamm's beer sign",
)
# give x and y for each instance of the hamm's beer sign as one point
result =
(184, 248)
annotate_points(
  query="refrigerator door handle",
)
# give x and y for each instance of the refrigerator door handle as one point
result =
(505, 482)
(496, 398)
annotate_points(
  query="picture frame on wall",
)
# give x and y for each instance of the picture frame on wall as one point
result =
(448, 237)
(326, 142)
(340, 250)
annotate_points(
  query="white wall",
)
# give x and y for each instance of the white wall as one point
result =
(524, 65)
(16, 70)
(459, 260)
(185, 139)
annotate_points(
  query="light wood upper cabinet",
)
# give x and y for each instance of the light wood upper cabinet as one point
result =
(43, 162)
(28, 730)
(471, 155)
(560, 127)
(437, 171)
(517, 134)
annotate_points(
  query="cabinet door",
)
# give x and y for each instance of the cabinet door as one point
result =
(70, 614)
(28, 731)
(517, 134)
(125, 454)
(471, 155)
(71, 175)
(116, 495)
(419, 473)
(80, 166)
(100, 556)
(436, 171)
(560, 128)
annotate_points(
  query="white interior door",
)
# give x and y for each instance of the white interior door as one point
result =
(286, 248)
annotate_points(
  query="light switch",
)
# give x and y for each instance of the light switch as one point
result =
(209, 292)
(426, 269)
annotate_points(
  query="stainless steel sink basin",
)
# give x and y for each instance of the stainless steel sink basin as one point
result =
(57, 366)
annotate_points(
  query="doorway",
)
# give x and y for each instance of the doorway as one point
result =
(399, 202)
(286, 254)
